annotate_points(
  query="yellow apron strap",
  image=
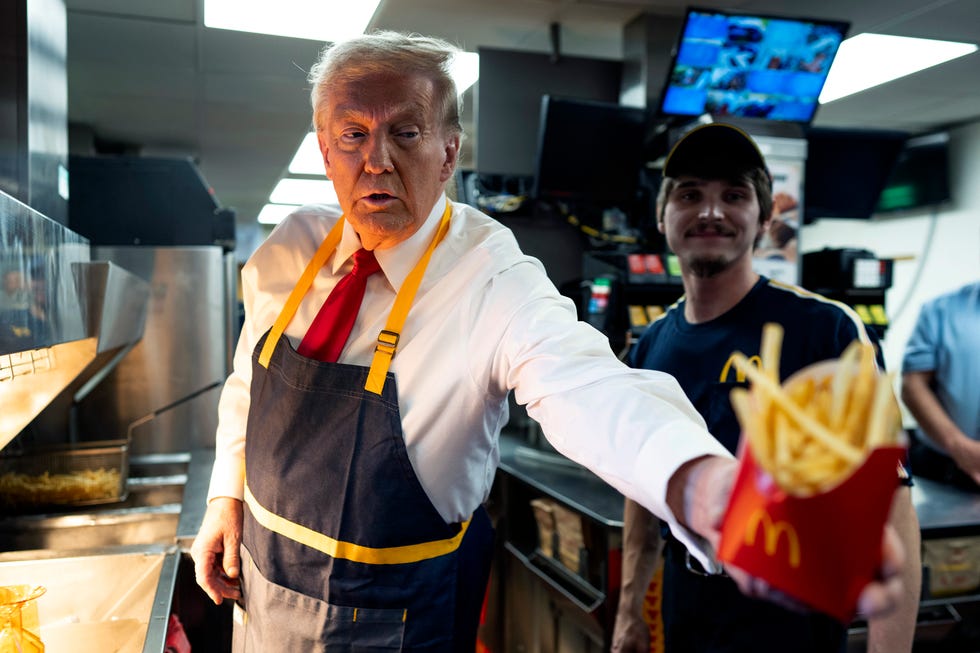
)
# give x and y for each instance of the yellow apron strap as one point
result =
(384, 351)
(394, 555)
(326, 248)
(388, 338)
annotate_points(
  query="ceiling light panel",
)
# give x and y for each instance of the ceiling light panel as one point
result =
(868, 60)
(318, 20)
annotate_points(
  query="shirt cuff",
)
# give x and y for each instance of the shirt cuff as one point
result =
(227, 478)
(660, 458)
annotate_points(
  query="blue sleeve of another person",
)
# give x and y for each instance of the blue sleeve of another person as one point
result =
(920, 351)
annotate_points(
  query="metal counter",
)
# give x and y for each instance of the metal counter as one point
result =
(562, 479)
(942, 510)
(92, 592)
(945, 511)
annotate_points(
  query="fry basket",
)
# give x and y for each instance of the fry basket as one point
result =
(64, 476)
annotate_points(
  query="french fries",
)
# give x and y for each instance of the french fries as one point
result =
(25, 490)
(813, 431)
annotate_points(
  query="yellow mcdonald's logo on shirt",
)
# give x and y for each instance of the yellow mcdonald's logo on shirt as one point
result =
(771, 532)
(739, 374)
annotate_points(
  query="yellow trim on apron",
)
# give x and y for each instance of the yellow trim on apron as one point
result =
(384, 351)
(394, 555)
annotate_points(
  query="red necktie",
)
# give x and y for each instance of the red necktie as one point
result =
(332, 325)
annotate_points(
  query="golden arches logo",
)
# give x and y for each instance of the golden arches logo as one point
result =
(739, 374)
(771, 532)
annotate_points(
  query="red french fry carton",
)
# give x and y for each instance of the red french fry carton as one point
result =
(821, 549)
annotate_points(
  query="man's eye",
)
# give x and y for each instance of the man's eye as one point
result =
(351, 135)
(409, 133)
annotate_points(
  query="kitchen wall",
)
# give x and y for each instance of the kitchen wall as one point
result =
(942, 247)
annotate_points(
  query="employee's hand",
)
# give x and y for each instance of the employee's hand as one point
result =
(631, 634)
(707, 482)
(215, 551)
(965, 452)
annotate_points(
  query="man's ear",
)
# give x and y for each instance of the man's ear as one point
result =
(452, 157)
(764, 225)
(321, 139)
(765, 221)
(660, 219)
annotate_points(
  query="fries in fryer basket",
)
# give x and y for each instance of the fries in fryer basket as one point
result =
(25, 490)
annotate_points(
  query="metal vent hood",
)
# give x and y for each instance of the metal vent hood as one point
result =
(64, 322)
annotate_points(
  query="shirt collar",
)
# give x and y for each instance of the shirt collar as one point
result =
(396, 262)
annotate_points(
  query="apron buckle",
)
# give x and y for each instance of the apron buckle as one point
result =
(387, 342)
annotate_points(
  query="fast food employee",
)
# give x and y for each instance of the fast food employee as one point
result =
(344, 507)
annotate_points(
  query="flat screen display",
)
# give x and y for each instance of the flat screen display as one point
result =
(846, 170)
(589, 151)
(750, 66)
(508, 102)
(920, 177)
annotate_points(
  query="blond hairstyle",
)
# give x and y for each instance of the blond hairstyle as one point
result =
(390, 53)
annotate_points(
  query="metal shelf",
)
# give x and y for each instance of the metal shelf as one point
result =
(558, 578)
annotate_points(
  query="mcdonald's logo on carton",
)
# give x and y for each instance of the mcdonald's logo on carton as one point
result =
(771, 532)
(821, 549)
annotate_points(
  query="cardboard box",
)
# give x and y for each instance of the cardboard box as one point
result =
(954, 565)
(559, 527)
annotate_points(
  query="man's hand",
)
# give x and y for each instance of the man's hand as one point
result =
(217, 563)
(707, 483)
(966, 454)
(932, 417)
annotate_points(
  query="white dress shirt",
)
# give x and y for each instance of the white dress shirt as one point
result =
(486, 320)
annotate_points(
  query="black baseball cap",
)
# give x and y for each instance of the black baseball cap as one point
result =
(714, 149)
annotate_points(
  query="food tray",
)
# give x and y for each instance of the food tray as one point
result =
(65, 476)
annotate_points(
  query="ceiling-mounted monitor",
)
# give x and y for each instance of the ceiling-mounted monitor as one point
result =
(750, 66)
(920, 177)
(846, 170)
(589, 152)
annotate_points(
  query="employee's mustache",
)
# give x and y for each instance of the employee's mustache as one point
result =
(710, 229)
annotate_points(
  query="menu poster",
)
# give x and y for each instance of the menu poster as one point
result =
(776, 254)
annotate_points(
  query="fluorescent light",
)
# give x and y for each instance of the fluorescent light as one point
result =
(319, 20)
(307, 160)
(465, 70)
(868, 60)
(275, 213)
(304, 191)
